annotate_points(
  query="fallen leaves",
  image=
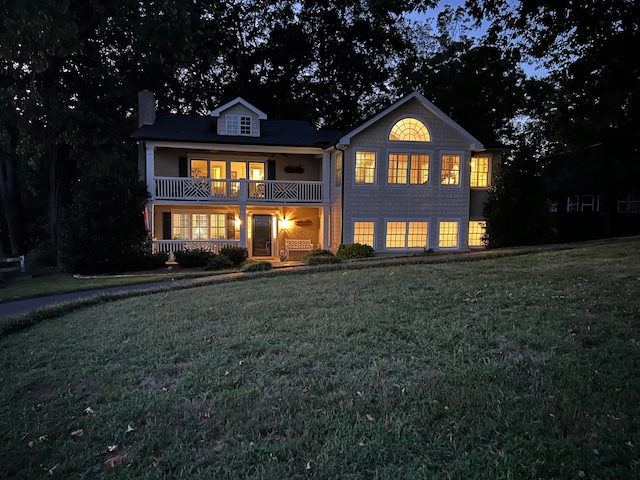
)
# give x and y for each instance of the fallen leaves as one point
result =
(129, 429)
(77, 433)
(113, 461)
(89, 411)
(369, 417)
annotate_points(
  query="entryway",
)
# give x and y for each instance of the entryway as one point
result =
(261, 236)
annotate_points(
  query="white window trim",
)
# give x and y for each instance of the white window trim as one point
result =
(377, 172)
(375, 229)
(190, 212)
(449, 219)
(406, 233)
(462, 176)
(409, 151)
(489, 171)
(409, 143)
(238, 117)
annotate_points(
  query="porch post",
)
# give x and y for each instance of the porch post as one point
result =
(325, 221)
(326, 175)
(243, 225)
(149, 171)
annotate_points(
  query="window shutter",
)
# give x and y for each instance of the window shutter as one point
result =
(166, 225)
(271, 170)
(182, 167)
(231, 226)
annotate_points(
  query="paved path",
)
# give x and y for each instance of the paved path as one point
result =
(19, 307)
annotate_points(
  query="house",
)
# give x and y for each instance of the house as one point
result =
(594, 193)
(405, 180)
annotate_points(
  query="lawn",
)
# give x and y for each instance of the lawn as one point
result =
(496, 368)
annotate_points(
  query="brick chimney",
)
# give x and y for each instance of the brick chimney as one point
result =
(146, 108)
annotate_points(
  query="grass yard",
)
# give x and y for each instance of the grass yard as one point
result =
(497, 368)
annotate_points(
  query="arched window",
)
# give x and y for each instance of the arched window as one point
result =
(410, 130)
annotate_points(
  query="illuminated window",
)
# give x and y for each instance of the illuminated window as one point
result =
(414, 166)
(450, 174)
(406, 235)
(419, 169)
(199, 226)
(476, 232)
(365, 168)
(338, 169)
(410, 130)
(180, 226)
(448, 235)
(218, 226)
(363, 232)
(480, 172)
(398, 164)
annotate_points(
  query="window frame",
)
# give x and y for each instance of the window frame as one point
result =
(410, 154)
(234, 125)
(483, 232)
(407, 227)
(339, 168)
(364, 220)
(488, 172)
(461, 180)
(411, 142)
(449, 220)
(190, 227)
(376, 154)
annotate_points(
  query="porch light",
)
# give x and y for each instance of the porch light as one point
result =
(237, 223)
(284, 224)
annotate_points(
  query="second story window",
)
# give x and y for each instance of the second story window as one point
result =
(365, 168)
(450, 173)
(404, 166)
(238, 125)
(479, 172)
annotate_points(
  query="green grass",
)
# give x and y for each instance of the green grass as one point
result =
(515, 367)
(55, 283)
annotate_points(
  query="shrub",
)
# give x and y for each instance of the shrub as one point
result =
(196, 257)
(219, 262)
(257, 267)
(322, 260)
(147, 261)
(237, 255)
(319, 253)
(347, 251)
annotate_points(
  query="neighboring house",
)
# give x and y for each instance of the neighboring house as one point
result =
(595, 193)
(405, 180)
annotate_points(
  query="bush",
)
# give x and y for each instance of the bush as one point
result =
(147, 261)
(319, 253)
(237, 255)
(196, 257)
(347, 251)
(322, 260)
(219, 262)
(257, 267)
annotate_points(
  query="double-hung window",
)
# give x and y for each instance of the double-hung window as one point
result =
(200, 226)
(448, 235)
(238, 125)
(479, 172)
(450, 171)
(402, 234)
(364, 232)
(413, 167)
(476, 233)
(365, 173)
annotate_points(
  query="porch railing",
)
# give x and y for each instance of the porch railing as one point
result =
(169, 246)
(253, 191)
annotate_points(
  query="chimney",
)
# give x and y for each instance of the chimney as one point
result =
(146, 108)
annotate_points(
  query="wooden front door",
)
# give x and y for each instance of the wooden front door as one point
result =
(261, 236)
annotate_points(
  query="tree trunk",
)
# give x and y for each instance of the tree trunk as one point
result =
(11, 202)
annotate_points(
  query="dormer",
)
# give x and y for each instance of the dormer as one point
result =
(238, 118)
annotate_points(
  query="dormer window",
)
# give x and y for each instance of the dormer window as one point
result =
(238, 125)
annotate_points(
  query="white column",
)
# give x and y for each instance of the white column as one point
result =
(243, 225)
(325, 222)
(149, 156)
(326, 175)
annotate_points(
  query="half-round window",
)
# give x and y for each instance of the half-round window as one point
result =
(410, 130)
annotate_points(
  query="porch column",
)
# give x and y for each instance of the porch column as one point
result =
(243, 225)
(149, 170)
(325, 222)
(326, 175)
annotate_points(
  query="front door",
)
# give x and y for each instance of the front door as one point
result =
(261, 235)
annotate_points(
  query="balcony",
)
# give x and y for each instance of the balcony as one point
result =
(236, 191)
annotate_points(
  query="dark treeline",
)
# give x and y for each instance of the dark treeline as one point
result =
(70, 71)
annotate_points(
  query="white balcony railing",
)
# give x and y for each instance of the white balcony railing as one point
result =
(253, 191)
(169, 246)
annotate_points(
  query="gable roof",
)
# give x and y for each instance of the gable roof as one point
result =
(474, 142)
(216, 113)
(199, 129)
